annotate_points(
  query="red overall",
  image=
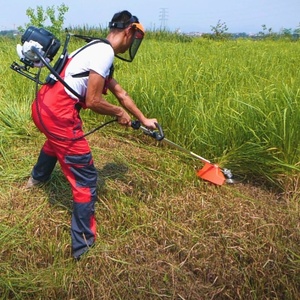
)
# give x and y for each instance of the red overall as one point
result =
(55, 114)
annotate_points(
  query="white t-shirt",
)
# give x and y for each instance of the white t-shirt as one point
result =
(97, 57)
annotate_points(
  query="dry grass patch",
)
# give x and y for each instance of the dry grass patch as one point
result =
(162, 234)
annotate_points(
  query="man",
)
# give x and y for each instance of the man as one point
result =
(55, 112)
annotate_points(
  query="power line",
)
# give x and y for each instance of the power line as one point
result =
(163, 17)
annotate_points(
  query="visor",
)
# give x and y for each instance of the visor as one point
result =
(135, 44)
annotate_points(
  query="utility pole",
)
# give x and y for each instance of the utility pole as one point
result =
(163, 17)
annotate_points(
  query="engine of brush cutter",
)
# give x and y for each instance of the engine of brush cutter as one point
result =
(35, 42)
(43, 40)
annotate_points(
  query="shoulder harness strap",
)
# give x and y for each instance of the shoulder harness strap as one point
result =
(86, 73)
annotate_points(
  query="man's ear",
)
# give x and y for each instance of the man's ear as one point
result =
(128, 30)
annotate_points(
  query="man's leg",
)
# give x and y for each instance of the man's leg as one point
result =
(83, 182)
(44, 166)
(81, 173)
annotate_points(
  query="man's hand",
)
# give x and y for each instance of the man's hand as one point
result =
(150, 123)
(123, 118)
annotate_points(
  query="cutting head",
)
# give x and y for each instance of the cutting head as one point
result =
(212, 173)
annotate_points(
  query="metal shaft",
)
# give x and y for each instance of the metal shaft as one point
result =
(186, 151)
(147, 131)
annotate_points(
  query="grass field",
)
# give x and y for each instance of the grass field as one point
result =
(162, 232)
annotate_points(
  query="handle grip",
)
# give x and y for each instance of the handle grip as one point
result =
(136, 124)
(156, 134)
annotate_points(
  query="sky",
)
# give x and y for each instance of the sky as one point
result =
(187, 15)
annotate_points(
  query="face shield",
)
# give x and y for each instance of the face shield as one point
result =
(137, 37)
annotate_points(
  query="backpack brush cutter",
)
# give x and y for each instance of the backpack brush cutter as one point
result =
(210, 172)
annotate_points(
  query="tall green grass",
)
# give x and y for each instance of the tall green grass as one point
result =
(235, 102)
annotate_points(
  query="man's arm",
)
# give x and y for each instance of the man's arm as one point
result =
(94, 100)
(127, 102)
